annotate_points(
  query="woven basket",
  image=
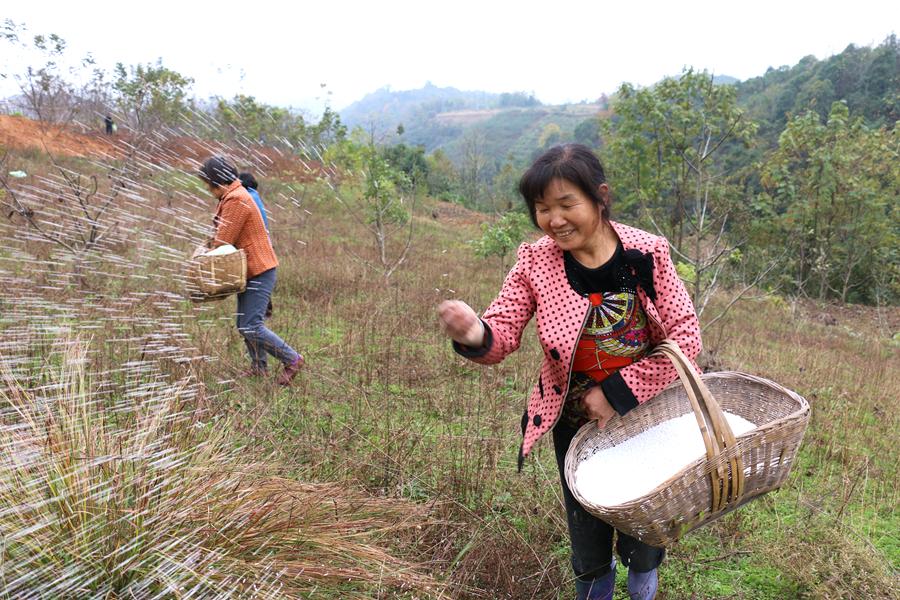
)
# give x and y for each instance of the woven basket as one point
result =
(213, 277)
(733, 471)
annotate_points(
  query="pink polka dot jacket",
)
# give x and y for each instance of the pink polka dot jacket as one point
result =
(537, 284)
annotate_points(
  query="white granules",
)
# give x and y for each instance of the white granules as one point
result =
(639, 464)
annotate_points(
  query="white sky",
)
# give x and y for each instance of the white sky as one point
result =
(562, 51)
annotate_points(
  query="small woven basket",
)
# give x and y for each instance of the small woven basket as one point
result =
(733, 471)
(213, 277)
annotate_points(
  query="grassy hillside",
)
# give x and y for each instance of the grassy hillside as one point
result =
(515, 132)
(385, 408)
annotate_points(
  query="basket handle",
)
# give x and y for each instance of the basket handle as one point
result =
(717, 434)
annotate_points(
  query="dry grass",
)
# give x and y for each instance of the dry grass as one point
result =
(384, 406)
(834, 528)
(161, 505)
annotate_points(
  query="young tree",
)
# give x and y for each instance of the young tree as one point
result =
(46, 90)
(69, 210)
(151, 95)
(443, 180)
(245, 117)
(505, 187)
(666, 154)
(834, 187)
(502, 237)
(377, 195)
(409, 160)
(474, 165)
(329, 130)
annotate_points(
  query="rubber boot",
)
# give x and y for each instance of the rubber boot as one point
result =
(598, 589)
(642, 586)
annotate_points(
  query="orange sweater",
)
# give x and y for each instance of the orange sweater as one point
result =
(239, 223)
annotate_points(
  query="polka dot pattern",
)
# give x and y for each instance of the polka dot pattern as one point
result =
(537, 285)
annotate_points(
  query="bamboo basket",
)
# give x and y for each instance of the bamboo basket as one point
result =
(213, 277)
(733, 471)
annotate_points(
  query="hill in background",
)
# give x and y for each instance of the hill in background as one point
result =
(513, 126)
(442, 117)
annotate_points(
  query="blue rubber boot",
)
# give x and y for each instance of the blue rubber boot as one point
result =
(642, 586)
(598, 589)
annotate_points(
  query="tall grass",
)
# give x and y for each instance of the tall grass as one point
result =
(385, 407)
(156, 504)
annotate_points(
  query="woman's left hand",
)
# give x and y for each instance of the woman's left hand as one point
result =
(596, 406)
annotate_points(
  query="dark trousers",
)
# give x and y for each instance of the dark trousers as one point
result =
(591, 538)
(251, 310)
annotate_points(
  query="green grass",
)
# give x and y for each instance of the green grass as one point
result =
(386, 406)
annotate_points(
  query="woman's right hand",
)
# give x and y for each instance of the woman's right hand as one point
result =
(460, 323)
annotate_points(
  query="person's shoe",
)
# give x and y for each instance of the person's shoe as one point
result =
(290, 371)
(598, 589)
(254, 372)
(642, 586)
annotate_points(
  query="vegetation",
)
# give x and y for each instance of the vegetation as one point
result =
(501, 239)
(135, 463)
(867, 79)
(151, 95)
(832, 188)
(145, 500)
(666, 166)
(371, 190)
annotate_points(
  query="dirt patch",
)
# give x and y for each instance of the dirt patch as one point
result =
(465, 117)
(455, 213)
(179, 152)
(23, 133)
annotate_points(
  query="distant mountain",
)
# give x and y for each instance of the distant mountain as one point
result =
(441, 117)
(725, 80)
(515, 125)
(384, 110)
(515, 134)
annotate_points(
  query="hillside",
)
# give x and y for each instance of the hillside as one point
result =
(382, 111)
(867, 79)
(447, 118)
(388, 436)
(442, 118)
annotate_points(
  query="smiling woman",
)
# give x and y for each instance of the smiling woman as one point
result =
(604, 295)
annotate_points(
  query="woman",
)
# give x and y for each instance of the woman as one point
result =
(251, 185)
(238, 222)
(604, 295)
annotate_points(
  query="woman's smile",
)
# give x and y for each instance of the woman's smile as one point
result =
(568, 216)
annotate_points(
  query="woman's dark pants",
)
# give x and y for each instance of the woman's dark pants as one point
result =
(251, 310)
(591, 538)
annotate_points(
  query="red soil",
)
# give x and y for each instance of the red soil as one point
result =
(173, 151)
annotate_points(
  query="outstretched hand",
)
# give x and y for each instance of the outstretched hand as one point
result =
(460, 323)
(596, 406)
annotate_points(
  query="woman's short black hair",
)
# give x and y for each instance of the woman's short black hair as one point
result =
(217, 171)
(575, 163)
(248, 181)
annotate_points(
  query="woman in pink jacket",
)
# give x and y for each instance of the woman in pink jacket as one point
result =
(604, 295)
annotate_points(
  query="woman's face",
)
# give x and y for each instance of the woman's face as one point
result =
(215, 190)
(568, 216)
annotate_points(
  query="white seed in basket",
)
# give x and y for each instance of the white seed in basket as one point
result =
(639, 464)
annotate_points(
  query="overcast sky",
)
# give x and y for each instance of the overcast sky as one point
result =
(281, 52)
